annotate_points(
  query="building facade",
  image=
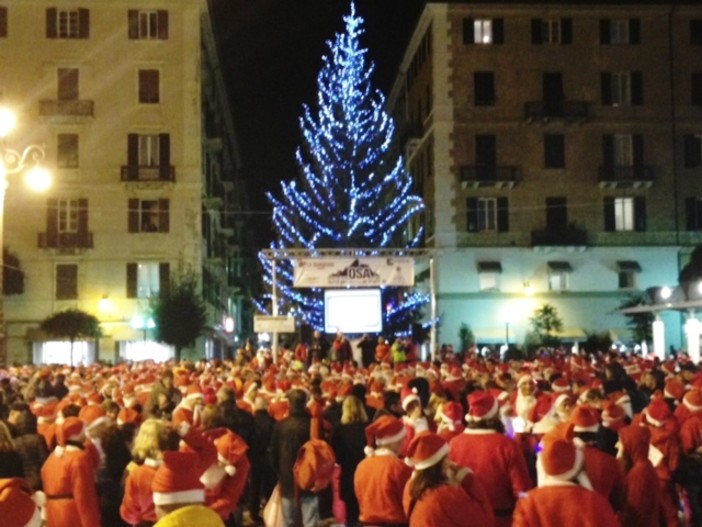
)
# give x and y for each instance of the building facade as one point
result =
(130, 106)
(557, 148)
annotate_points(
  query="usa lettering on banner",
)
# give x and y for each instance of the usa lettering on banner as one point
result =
(353, 272)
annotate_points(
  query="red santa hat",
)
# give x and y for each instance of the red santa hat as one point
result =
(194, 392)
(93, 416)
(177, 479)
(426, 450)
(128, 416)
(560, 385)
(560, 458)
(674, 389)
(481, 406)
(383, 431)
(409, 395)
(230, 449)
(17, 508)
(344, 391)
(585, 419)
(613, 415)
(70, 430)
(657, 412)
(693, 400)
(451, 414)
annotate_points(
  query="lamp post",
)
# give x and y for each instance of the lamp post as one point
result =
(13, 162)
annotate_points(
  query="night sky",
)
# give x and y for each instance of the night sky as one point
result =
(272, 51)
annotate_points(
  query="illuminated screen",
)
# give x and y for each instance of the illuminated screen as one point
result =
(352, 311)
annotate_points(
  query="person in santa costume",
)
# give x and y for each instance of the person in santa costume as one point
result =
(642, 507)
(441, 493)
(691, 462)
(564, 496)
(495, 458)
(68, 477)
(190, 408)
(18, 506)
(178, 493)
(414, 419)
(379, 479)
(225, 479)
(450, 418)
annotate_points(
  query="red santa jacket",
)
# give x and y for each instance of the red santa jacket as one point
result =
(224, 497)
(606, 475)
(691, 433)
(379, 482)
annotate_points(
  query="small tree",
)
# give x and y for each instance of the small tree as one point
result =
(179, 312)
(640, 324)
(545, 322)
(72, 324)
(466, 337)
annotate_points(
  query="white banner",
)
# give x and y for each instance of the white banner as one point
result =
(354, 272)
(271, 324)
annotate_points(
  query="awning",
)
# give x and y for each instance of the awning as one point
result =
(491, 335)
(571, 334)
(560, 266)
(620, 335)
(631, 266)
(489, 267)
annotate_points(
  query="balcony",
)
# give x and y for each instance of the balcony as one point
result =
(134, 173)
(66, 241)
(498, 177)
(626, 177)
(67, 111)
(567, 236)
(546, 111)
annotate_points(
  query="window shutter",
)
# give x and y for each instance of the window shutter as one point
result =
(566, 31)
(608, 151)
(164, 278)
(3, 22)
(472, 214)
(636, 88)
(51, 22)
(605, 37)
(498, 31)
(640, 214)
(133, 215)
(83, 23)
(693, 151)
(163, 24)
(133, 24)
(609, 225)
(634, 31)
(536, 31)
(164, 152)
(606, 88)
(691, 214)
(132, 157)
(163, 216)
(131, 280)
(51, 222)
(469, 31)
(638, 145)
(502, 215)
(696, 32)
(82, 216)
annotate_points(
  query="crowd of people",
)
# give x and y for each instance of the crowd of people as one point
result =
(562, 439)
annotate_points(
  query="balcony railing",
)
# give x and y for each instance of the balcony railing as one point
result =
(626, 176)
(556, 111)
(564, 237)
(148, 173)
(488, 176)
(65, 240)
(70, 108)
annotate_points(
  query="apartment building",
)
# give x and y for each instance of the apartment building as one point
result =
(128, 100)
(558, 150)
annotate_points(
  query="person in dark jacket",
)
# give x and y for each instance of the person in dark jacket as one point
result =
(10, 460)
(28, 443)
(262, 479)
(234, 418)
(288, 436)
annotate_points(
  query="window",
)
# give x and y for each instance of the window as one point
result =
(556, 214)
(693, 150)
(487, 214)
(697, 89)
(622, 88)
(66, 224)
(554, 151)
(489, 275)
(558, 272)
(66, 282)
(148, 158)
(147, 279)
(67, 215)
(623, 150)
(625, 214)
(696, 32)
(67, 23)
(552, 31)
(148, 24)
(67, 151)
(693, 212)
(483, 31)
(149, 86)
(68, 80)
(148, 215)
(148, 150)
(620, 31)
(628, 271)
(623, 156)
(3, 22)
(484, 88)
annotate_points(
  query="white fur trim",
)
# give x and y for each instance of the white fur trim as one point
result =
(479, 431)
(592, 428)
(690, 406)
(492, 412)
(651, 420)
(230, 470)
(39, 498)
(431, 460)
(408, 399)
(97, 422)
(369, 451)
(153, 463)
(391, 439)
(384, 452)
(183, 496)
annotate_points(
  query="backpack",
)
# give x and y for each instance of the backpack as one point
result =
(313, 470)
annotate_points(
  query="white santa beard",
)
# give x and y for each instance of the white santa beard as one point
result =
(213, 476)
(523, 405)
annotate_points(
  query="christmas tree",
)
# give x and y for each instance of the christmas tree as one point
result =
(352, 192)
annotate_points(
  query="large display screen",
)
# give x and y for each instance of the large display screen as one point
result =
(352, 311)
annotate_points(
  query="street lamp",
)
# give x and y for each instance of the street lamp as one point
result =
(12, 162)
(143, 323)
